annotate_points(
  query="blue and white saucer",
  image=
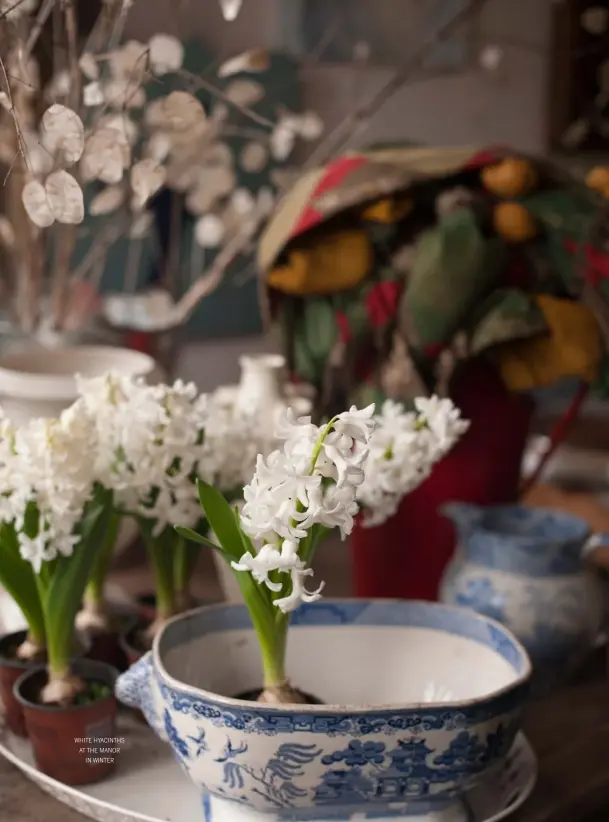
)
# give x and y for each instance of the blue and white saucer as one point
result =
(149, 786)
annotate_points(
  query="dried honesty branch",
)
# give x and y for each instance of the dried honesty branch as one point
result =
(254, 158)
(65, 198)
(166, 54)
(290, 126)
(107, 200)
(244, 93)
(141, 225)
(256, 60)
(107, 154)
(14, 9)
(89, 66)
(59, 199)
(179, 111)
(209, 231)
(7, 232)
(147, 178)
(63, 134)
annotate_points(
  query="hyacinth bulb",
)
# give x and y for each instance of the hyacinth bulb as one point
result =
(230, 9)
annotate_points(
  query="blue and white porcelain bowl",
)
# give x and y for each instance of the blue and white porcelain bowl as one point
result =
(420, 701)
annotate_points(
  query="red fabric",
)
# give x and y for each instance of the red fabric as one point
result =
(142, 341)
(405, 557)
(333, 176)
(598, 262)
(344, 329)
(382, 302)
(487, 157)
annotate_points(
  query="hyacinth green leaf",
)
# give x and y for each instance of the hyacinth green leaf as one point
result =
(65, 591)
(193, 536)
(18, 578)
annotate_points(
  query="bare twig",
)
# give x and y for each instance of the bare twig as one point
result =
(44, 12)
(208, 283)
(5, 14)
(357, 121)
(67, 234)
(99, 249)
(200, 82)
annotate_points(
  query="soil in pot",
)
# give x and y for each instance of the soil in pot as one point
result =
(11, 668)
(77, 744)
(252, 696)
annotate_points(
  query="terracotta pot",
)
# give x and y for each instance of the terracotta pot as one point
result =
(57, 734)
(10, 671)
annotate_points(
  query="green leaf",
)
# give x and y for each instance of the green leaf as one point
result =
(18, 578)
(192, 536)
(454, 266)
(70, 577)
(161, 551)
(219, 514)
(507, 315)
(319, 327)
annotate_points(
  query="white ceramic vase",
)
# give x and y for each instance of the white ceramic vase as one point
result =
(40, 382)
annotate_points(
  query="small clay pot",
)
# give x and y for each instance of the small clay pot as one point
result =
(76, 745)
(10, 671)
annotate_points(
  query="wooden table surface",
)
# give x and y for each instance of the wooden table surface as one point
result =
(569, 731)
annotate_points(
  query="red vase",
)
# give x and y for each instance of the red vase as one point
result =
(405, 557)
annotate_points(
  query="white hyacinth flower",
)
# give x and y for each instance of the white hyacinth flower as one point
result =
(150, 446)
(402, 452)
(47, 463)
(311, 482)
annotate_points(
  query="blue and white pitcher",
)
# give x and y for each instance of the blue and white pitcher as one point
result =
(525, 568)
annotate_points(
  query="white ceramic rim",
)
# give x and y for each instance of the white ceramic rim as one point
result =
(317, 709)
(275, 361)
(36, 385)
(58, 789)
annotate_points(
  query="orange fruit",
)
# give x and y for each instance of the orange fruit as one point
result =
(512, 177)
(514, 222)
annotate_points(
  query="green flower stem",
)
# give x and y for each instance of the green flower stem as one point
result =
(94, 595)
(185, 555)
(160, 552)
(273, 647)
